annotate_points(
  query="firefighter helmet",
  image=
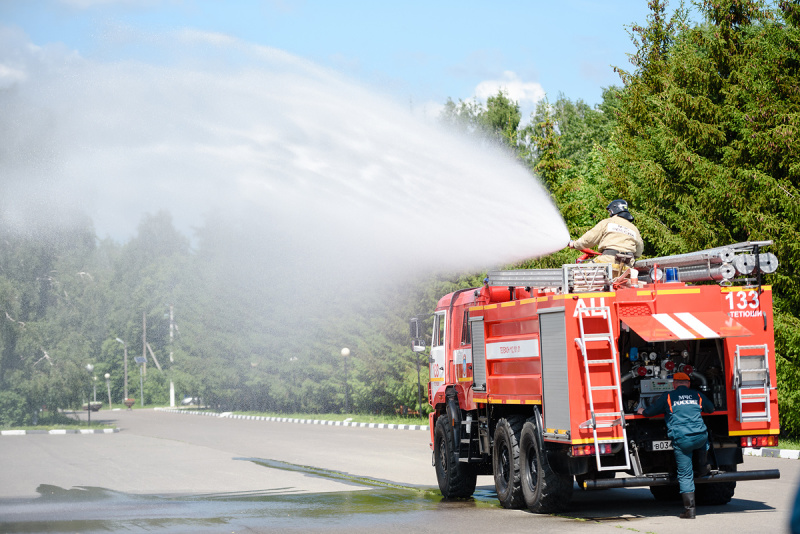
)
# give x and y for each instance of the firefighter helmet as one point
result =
(619, 207)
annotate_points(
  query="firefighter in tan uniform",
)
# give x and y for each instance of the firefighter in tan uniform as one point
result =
(612, 236)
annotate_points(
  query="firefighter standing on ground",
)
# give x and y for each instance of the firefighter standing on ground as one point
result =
(681, 408)
(616, 234)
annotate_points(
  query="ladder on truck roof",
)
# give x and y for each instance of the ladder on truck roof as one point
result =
(570, 278)
(751, 381)
(603, 424)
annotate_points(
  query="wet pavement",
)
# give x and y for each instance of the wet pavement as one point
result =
(372, 505)
(176, 473)
(103, 510)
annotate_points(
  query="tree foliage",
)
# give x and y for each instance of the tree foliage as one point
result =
(707, 144)
(241, 341)
(701, 139)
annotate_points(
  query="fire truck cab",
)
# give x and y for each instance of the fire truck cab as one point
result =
(535, 378)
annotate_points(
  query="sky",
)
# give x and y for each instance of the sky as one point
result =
(418, 52)
(307, 115)
(115, 110)
(298, 129)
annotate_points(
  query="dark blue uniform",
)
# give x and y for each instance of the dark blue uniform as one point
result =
(682, 409)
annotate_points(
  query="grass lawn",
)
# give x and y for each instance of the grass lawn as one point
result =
(58, 421)
(787, 444)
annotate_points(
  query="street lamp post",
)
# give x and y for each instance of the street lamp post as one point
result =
(90, 368)
(94, 388)
(294, 389)
(125, 387)
(141, 361)
(108, 385)
(171, 359)
(419, 386)
(345, 354)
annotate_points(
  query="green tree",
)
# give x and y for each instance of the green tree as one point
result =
(49, 321)
(708, 146)
(501, 118)
(498, 121)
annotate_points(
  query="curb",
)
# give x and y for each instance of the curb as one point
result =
(229, 415)
(772, 453)
(62, 431)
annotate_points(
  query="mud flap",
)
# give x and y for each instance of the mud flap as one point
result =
(454, 413)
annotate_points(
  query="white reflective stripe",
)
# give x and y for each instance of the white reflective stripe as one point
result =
(697, 325)
(523, 348)
(674, 326)
(614, 227)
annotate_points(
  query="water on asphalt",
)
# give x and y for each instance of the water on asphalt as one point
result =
(372, 505)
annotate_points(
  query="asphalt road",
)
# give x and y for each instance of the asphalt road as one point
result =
(166, 472)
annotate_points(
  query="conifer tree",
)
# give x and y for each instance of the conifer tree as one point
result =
(708, 143)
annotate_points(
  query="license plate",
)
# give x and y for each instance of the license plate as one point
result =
(662, 445)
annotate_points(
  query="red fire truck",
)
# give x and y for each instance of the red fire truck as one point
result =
(535, 377)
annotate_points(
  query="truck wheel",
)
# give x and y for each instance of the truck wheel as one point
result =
(666, 493)
(505, 462)
(456, 479)
(716, 493)
(544, 490)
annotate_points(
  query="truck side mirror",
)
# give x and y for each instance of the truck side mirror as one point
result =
(417, 343)
(413, 324)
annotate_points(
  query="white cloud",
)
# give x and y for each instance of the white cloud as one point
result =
(10, 76)
(350, 64)
(527, 94)
(427, 111)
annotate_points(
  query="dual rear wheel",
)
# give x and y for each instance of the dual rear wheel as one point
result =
(522, 474)
(506, 461)
(544, 490)
(711, 494)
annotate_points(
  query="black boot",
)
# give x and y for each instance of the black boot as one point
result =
(688, 503)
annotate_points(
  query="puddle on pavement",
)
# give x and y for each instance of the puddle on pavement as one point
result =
(91, 509)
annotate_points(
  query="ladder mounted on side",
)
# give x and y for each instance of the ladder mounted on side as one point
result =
(469, 448)
(603, 424)
(752, 383)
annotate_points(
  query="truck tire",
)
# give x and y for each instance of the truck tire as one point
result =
(544, 490)
(505, 462)
(666, 493)
(716, 493)
(456, 479)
